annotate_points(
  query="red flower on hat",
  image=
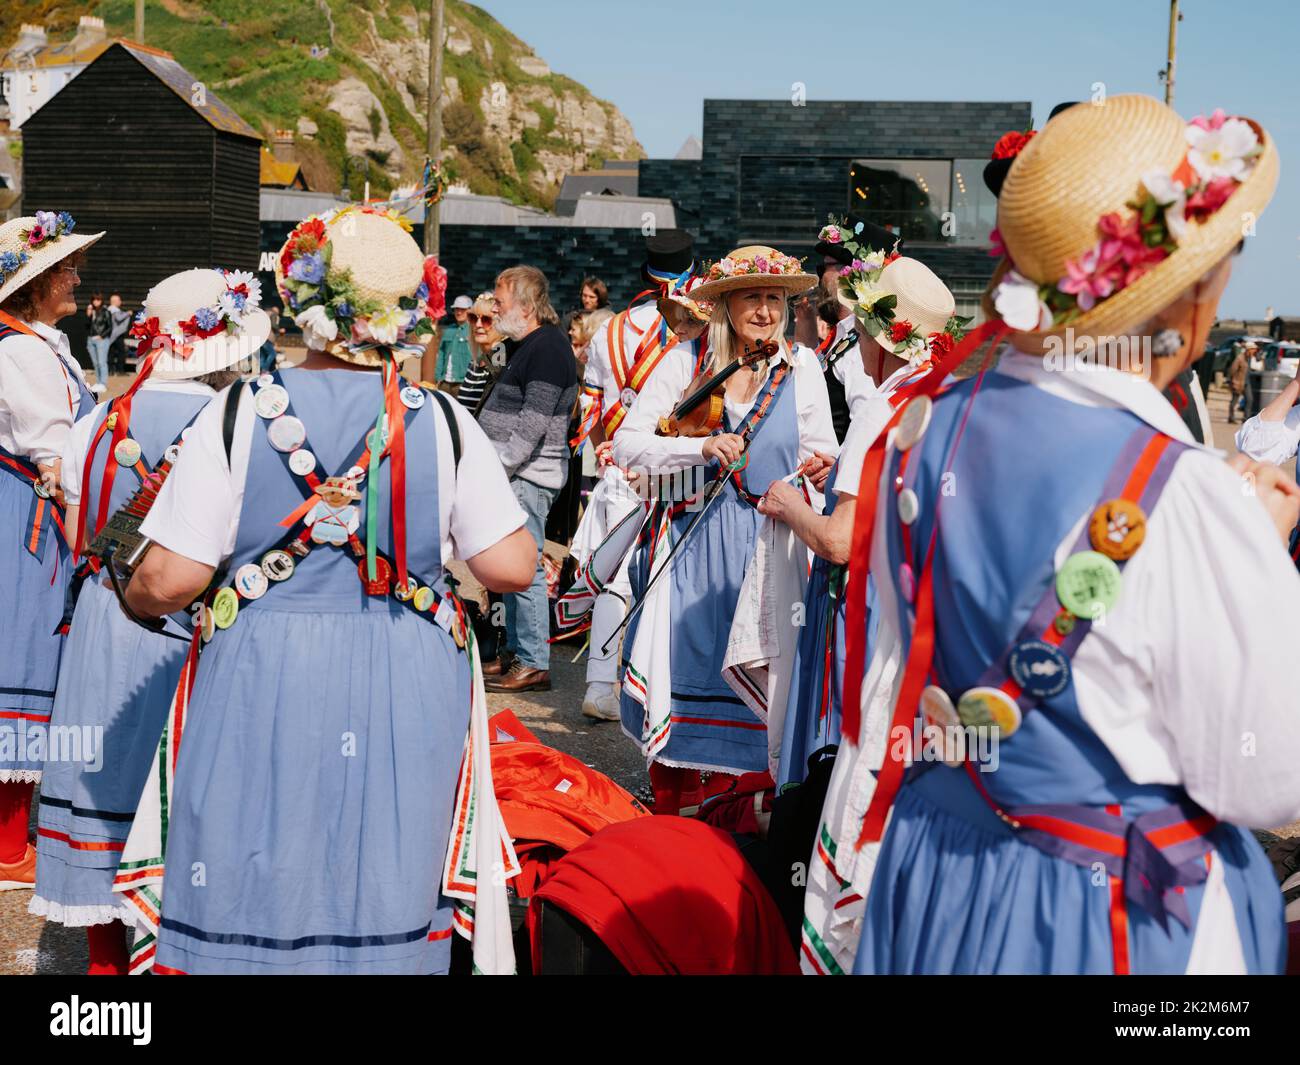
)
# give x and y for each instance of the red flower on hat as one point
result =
(435, 277)
(900, 331)
(891, 257)
(1012, 143)
(940, 344)
(1209, 198)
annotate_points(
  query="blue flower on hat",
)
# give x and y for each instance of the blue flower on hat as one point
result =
(11, 262)
(310, 269)
(422, 293)
(48, 221)
(343, 309)
(206, 318)
(66, 222)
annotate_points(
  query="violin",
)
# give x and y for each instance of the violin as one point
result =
(700, 412)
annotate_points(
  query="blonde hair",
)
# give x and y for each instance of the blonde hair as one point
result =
(531, 290)
(723, 346)
(590, 323)
(484, 303)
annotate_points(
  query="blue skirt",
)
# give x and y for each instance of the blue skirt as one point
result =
(711, 727)
(954, 891)
(114, 692)
(34, 587)
(313, 797)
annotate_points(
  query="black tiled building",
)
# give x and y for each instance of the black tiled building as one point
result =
(772, 171)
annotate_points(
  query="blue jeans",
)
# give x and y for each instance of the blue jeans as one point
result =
(528, 613)
(99, 357)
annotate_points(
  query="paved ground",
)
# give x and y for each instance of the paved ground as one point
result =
(27, 945)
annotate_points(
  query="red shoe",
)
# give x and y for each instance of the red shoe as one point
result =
(19, 875)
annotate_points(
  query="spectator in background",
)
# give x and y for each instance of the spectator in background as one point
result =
(527, 418)
(594, 294)
(117, 338)
(453, 348)
(1237, 380)
(487, 354)
(99, 331)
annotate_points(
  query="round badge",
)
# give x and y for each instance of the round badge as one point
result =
(185, 433)
(1088, 584)
(909, 507)
(906, 583)
(406, 592)
(1118, 528)
(225, 608)
(458, 632)
(937, 708)
(913, 423)
(172, 454)
(1063, 623)
(271, 401)
(423, 598)
(209, 622)
(355, 473)
(286, 433)
(627, 397)
(302, 462)
(989, 708)
(1039, 668)
(383, 577)
(263, 380)
(412, 397)
(251, 582)
(41, 491)
(278, 565)
(127, 452)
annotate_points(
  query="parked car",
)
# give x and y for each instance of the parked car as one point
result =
(1282, 356)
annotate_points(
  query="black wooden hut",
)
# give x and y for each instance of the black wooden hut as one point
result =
(138, 147)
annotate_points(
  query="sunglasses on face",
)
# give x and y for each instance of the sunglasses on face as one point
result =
(485, 319)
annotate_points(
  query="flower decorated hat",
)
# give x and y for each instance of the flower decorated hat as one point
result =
(908, 311)
(755, 266)
(357, 284)
(681, 309)
(30, 246)
(1115, 209)
(201, 321)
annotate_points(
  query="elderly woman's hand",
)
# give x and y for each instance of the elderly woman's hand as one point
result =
(780, 501)
(817, 469)
(1274, 488)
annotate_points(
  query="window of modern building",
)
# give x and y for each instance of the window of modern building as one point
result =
(909, 196)
(974, 208)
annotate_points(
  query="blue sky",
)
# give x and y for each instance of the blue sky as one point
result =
(658, 60)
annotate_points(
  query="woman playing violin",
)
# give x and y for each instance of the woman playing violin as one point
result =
(774, 416)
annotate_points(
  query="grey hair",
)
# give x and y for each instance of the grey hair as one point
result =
(531, 290)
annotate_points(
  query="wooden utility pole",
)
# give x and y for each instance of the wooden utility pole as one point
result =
(433, 117)
(139, 21)
(1174, 18)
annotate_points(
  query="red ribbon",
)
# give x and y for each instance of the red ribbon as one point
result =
(397, 461)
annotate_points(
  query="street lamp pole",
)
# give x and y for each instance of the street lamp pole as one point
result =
(139, 21)
(1174, 19)
(433, 118)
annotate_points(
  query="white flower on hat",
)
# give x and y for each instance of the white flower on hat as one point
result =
(1222, 152)
(385, 325)
(1170, 195)
(1018, 304)
(318, 328)
(865, 294)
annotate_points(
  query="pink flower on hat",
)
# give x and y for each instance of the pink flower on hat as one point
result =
(1213, 122)
(1091, 278)
(1123, 243)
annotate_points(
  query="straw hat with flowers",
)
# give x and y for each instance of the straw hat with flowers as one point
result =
(754, 266)
(1115, 209)
(357, 284)
(905, 308)
(30, 246)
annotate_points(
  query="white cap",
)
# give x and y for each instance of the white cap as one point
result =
(462, 303)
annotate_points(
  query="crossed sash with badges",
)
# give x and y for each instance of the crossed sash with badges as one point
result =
(328, 516)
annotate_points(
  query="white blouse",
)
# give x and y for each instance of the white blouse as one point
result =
(1274, 442)
(39, 393)
(637, 444)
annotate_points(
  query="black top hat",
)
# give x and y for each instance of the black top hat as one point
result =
(670, 253)
(996, 170)
(875, 237)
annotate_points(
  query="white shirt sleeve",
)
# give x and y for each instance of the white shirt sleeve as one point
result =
(197, 511)
(74, 454)
(816, 429)
(36, 399)
(635, 442)
(1274, 442)
(1187, 681)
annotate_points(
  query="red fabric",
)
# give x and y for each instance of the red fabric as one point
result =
(733, 811)
(669, 895)
(682, 791)
(108, 954)
(15, 812)
(550, 801)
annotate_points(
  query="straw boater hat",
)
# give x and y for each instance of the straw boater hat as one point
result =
(1115, 209)
(356, 283)
(202, 321)
(755, 266)
(681, 309)
(30, 246)
(922, 300)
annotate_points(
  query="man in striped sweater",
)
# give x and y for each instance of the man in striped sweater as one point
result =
(527, 417)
